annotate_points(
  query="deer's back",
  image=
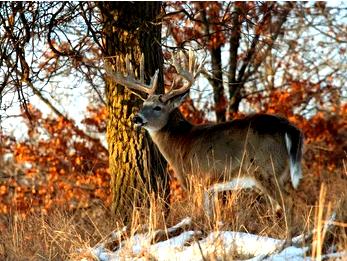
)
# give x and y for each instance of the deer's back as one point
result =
(255, 144)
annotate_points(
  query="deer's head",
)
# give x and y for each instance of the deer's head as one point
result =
(155, 111)
(156, 108)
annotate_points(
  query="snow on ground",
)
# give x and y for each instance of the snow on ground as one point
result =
(179, 244)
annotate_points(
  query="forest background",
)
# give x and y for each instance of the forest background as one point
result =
(67, 142)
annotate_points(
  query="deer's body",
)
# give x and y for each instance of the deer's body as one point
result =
(264, 150)
(254, 146)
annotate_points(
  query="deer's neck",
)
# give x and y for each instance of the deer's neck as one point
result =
(177, 125)
(174, 138)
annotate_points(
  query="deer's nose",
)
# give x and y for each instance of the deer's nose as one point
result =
(138, 120)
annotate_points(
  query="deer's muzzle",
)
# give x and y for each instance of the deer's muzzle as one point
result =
(138, 121)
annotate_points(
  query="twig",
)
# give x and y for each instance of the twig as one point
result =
(176, 230)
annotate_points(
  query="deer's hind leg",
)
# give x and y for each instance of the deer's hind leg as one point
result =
(210, 196)
(279, 188)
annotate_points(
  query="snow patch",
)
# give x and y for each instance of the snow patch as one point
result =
(191, 245)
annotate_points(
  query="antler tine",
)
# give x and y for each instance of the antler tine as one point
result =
(142, 68)
(191, 60)
(129, 67)
(118, 67)
(129, 81)
(188, 73)
(154, 82)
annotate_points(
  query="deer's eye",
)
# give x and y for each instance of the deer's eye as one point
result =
(157, 108)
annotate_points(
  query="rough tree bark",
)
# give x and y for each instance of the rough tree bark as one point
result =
(136, 167)
(217, 83)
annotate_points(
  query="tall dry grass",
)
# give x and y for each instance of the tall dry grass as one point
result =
(61, 235)
(52, 236)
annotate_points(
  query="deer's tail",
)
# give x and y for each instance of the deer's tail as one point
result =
(294, 143)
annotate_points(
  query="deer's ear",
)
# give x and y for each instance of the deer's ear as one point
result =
(177, 100)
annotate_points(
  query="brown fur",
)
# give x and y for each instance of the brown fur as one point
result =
(218, 150)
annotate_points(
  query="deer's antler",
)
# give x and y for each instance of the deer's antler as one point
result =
(128, 78)
(187, 70)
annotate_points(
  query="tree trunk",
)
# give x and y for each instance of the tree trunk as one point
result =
(136, 167)
(217, 83)
(216, 79)
(234, 86)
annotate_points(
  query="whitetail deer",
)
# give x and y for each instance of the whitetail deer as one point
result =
(261, 150)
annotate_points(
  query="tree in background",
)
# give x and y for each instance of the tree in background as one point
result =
(250, 30)
(77, 36)
(136, 167)
(54, 166)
